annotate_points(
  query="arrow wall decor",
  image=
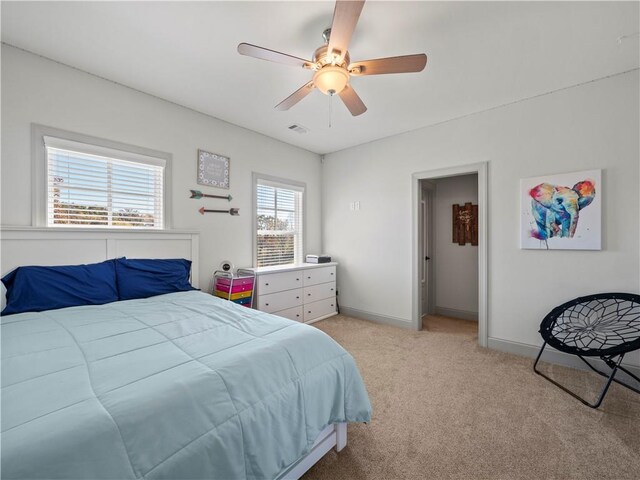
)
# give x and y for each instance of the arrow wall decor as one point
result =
(197, 194)
(231, 211)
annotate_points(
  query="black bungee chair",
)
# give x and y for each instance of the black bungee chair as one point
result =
(605, 326)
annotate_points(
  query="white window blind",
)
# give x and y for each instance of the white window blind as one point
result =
(92, 186)
(279, 223)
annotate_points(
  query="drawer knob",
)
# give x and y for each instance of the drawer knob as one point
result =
(308, 294)
(297, 279)
(331, 273)
(297, 314)
(297, 296)
(267, 283)
(309, 278)
(309, 311)
(332, 289)
(332, 304)
(267, 304)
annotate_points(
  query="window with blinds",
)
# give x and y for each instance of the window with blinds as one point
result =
(92, 186)
(279, 223)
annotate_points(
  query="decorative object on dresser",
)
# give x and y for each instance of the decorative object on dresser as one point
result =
(237, 287)
(306, 293)
(213, 169)
(318, 258)
(197, 194)
(465, 224)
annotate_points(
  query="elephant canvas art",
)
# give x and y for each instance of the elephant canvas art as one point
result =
(561, 211)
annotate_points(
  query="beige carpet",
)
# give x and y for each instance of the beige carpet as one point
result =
(445, 408)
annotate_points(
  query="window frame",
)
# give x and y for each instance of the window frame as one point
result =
(39, 187)
(283, 183)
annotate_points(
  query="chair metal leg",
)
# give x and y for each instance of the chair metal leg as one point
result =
(612, 364)
(632, 376)
(610, 378)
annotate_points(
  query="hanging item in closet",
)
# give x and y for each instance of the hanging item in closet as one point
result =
(465, 224)
(197, 194)
(231, 211)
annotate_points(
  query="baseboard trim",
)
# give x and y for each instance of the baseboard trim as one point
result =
(550, 355)
(522, 349)
(324, 317)
(455, 313)
(374, 317)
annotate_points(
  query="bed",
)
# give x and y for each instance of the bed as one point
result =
(181, 385)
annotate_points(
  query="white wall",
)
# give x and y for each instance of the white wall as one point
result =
(36, 90)
(456, 266)
(591, 126)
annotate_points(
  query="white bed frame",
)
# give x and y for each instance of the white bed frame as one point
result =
(71, 246)
(333, 436)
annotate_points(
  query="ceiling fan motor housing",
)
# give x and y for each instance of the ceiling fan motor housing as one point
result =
(321, 58)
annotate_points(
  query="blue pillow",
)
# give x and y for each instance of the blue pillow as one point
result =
(146, 277)
(35, 288)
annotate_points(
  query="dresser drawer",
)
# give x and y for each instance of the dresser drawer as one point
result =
(321, 291)
(295, 313)
(276, 282)
(313, 276)
(319, 309)
(275, 302)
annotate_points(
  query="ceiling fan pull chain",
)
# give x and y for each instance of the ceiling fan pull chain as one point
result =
(330, 105)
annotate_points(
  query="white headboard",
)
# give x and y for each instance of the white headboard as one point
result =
(66, 246)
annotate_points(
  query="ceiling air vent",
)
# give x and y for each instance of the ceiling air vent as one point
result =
(298, 128)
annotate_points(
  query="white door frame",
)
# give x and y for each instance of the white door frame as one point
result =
(427, 240)
(483, 307)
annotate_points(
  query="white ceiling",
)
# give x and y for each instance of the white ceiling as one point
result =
(480, 55)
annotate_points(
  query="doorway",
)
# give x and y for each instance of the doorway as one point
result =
(450, 246)
(427, 236)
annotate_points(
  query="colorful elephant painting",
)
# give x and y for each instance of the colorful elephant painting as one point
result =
(557, 209)
(554, 212)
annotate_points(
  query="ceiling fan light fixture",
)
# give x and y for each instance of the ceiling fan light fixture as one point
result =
(331, 80)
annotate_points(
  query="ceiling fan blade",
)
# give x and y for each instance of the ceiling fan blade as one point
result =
(345, 18)
(352, 101)
(296, 96)
(379, 66)
(272, 55)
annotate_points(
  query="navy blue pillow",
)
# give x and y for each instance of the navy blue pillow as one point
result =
(35, 288)
(146, 277)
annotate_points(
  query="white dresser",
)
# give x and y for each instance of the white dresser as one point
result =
(305, 292)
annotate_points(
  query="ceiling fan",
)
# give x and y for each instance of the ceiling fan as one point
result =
(331, 63)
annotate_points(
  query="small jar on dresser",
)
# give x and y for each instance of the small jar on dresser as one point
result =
(304, 292)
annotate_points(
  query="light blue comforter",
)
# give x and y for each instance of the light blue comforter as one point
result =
(183, 385)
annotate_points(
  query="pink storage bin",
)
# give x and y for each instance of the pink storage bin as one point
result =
(236, 281)
(239, 285)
